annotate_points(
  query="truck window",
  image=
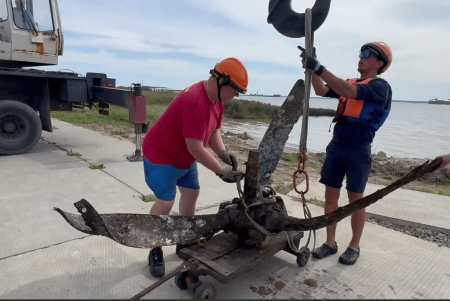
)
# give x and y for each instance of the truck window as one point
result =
(3, 11)
(33, 14)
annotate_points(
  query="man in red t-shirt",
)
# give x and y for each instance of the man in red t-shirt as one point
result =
(178, 140)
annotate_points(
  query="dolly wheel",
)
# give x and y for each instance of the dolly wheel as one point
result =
(303, 257)
(180, 281)
(205, 291)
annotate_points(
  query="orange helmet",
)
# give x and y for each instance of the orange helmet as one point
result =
(233, 73)
(383, 51)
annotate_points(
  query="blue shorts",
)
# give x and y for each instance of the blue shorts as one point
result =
(355, 162)
(164, 179)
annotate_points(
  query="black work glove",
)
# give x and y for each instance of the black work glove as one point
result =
(303, 54)
(228, 158)
(230, 176)
(311, 62)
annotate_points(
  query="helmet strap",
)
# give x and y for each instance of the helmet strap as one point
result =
(219, 87)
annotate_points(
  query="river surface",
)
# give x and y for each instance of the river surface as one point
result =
(412, 130)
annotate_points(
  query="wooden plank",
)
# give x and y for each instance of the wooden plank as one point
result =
(223, 270)
(219, 245)
(224, 255)
(246, 257)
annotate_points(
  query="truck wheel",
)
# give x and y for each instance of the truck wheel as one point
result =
(20, 127)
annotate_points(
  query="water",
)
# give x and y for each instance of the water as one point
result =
(412, 130)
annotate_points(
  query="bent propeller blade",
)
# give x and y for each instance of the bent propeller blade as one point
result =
(339, 214)
(143, 230)
(272, 145)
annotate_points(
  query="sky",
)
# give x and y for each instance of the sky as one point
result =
(174, 43)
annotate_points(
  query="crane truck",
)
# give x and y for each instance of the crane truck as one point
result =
(31, 36)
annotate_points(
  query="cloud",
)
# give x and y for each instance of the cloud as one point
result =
(195, 34)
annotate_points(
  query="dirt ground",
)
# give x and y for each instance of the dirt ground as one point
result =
(385, 170)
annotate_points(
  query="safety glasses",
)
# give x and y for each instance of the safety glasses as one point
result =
(236, 87)
(226, 80)
(367, 53)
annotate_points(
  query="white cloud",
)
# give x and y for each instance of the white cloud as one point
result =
(420, 48)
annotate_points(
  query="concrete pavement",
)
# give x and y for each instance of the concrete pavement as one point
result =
(41, 256)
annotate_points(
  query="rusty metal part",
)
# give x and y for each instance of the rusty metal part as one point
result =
(40, 48)
(272, 144)
(144, 231)
(306, 181)
(345, 211)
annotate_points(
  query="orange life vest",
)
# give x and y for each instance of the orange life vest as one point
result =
(352, 107)
(362, 112)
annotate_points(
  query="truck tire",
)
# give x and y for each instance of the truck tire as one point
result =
(20, 127)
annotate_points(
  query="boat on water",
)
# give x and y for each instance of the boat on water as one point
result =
(439, 102)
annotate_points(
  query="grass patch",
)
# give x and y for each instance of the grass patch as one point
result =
(418, 233)
(247, 109)
(283, 189)
(311, 164)
(443, 193)
(72, 154)
(157, 103)
(321, 112)
(446, 183)
(426, 190)
(291, 158)
(390, 178)
(399, 173)
(149, 198)
(118, 116)
(159, 98)
(317, 202)
(97, 166)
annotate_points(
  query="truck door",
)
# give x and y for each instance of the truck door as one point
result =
(34, 31)
(5, 32)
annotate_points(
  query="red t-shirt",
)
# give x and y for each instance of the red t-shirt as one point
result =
(190, 115)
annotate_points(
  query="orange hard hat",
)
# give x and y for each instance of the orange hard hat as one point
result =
(233, 74)
(383, 51)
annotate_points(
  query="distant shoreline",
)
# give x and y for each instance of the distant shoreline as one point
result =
(242, 97)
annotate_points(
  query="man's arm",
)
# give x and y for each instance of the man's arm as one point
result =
(339, 86)
(216, 143)
(195, 147)
(319, 86)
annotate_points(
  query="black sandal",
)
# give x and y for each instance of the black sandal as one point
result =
(324, 251)
(349, 257)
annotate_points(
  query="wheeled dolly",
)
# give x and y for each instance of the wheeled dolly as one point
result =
(224, 258)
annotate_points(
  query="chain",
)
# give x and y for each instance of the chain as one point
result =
(301, 170)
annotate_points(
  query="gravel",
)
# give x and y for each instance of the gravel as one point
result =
(440, 238)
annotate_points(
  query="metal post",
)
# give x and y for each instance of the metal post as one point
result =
(138, 129)
(309, 36)
(251, 177)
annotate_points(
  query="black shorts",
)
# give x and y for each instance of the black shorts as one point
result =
(355, 162)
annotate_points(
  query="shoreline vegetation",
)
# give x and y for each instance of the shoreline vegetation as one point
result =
(385, 169)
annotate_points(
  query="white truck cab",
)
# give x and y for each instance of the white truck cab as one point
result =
(30, 33)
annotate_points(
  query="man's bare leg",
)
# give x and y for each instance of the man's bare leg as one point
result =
(161, 208)
(331, 204)
(358, 221)
(155, 257)
(188, 200)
